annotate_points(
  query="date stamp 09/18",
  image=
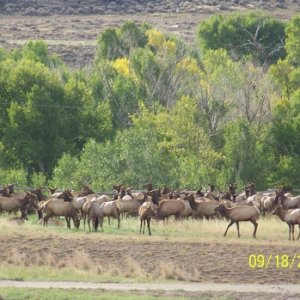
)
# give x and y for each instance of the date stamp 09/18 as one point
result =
(279, 261)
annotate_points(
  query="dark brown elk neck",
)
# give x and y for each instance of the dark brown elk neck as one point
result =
(281, 213)
(39, 194)
(280, 198)
(199, 193)
(4, 192)
(192, 202)
(148, 186)
(10, 188)
(66, 196)
(155, 194)
(211, 188)
(224, 211)
(24, 201)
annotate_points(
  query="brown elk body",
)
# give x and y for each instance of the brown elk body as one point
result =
(169, 207)
(146, 211)
(237, 214)
(291, 217)
(54, 208)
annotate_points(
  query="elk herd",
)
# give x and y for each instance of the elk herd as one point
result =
(160, 203)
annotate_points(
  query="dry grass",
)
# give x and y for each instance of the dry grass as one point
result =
(170, 270)
(270, 230)
(81, 265)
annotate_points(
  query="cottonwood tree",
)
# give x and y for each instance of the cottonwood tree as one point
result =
(292, 43)
(119, 42)
(244, 156)
(164, 80)
(256, 34)
(253, 96)
(45, 115)
(215, 88)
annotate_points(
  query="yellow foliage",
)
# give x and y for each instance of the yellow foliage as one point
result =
(189, 65)
(121, 65)
(155, 38)
(282, 103)
(170, 47)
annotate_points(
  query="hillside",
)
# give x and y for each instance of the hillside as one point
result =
(87, 7)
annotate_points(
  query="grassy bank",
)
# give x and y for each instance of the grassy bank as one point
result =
(78, 294)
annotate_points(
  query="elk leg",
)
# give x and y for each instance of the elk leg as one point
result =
(96, 223)
(299, 233)
(290, 229)
(238, 228)
(89, 223)
(68, 222)
(254, 233)
(84, 219)
(101, 222)
(231, 222)
(40, 214)
(119, 221)
(45, 220)
(141, 225)
(255, 228)
(293, 230)
(148, 224)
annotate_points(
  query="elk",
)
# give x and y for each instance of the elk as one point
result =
(290, 216)
(146, 211)
(237, 214)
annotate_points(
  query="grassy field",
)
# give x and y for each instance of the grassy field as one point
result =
(59, 294)
(270, 229)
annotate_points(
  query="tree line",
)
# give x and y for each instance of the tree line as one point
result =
(152, 108)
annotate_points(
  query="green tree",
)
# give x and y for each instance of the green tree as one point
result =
(186, 139)
(32, 98)
(244, 158)
(45, 115)
(285, 77)
(253, 33)
(253, 95)
(292, 42)
(116, 43)
(109, 45)
(285, 172)
(13, 175)
(119, 91)
(215, 88)
(36, 51)
(64, 173)
(285, 127)
(133, 36)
